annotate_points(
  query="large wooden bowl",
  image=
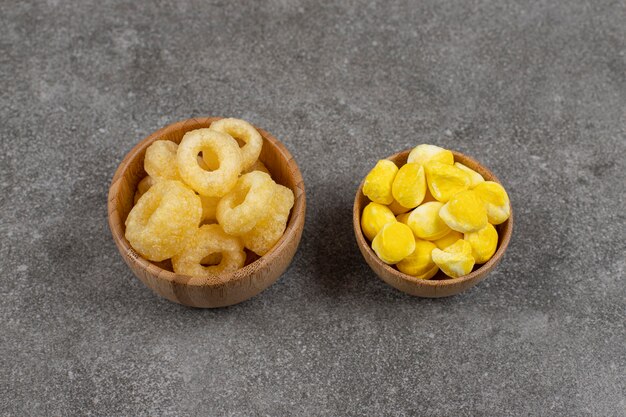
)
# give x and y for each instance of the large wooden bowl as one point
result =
(440, 285)
(231, 288)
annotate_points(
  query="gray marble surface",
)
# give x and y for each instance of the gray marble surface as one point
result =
(534, 90)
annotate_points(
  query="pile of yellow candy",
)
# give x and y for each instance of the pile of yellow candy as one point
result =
(432, 213)
(206, 200)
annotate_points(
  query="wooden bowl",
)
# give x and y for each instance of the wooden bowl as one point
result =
(440, 285)
(231, 288)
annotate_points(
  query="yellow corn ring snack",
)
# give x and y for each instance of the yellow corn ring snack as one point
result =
(159, 225)
(244, 132)
(242, 208)
(160, 160)
(268, 231)
(143, 186)
(257, 166)
(208, 241)
(209, 183)
(209, 209)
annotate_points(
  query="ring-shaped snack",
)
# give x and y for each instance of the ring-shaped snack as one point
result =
(160, 160)
(209, 240)
(163, 219)
(268, 231)
(143, 186)
(258, 166)
(209, 209)
(241, 131)
(209, 183)
(246, 204)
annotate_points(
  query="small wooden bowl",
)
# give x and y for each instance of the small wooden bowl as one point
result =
(232, 288)
(440, 285)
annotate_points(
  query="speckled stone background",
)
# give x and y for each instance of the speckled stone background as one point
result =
(534, 90)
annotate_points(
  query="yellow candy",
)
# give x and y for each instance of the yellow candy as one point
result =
(396, 208)
(268, 231)
(409, 185)
(428, 196)
(444, 181)
(496, 201)
(143, 186)
(377, 185)
(163, 219)
(160, 160)
(484, 243)
(423, 154)
(208, 241)
(403, 218)
(475, 177)
(242, 132)
(242, 208)
(465, 212)
(394, 242)
(456, 260)
(425, 222)
(419, 264)
(448, 239)
(373, 218)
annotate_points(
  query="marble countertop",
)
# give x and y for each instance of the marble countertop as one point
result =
(536, 92)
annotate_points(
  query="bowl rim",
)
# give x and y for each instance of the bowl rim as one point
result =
(474, 275)
(296, 219)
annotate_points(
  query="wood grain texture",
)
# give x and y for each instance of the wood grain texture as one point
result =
(440, 285)
(225, 289)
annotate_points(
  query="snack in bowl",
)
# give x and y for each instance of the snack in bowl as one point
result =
(448, 206)
(218, 180)
(204, 219)
(269, 246)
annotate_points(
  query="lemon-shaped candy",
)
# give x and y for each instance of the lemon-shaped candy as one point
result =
(425, 222)
(424, 153)
(456, 260)
(374, 217)
(475, 177)
(465, 212)
(394, 242)
(419, 264)
(444, 181)
(484, 243)
(496, 201)
(409, 186)
(377, 185)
